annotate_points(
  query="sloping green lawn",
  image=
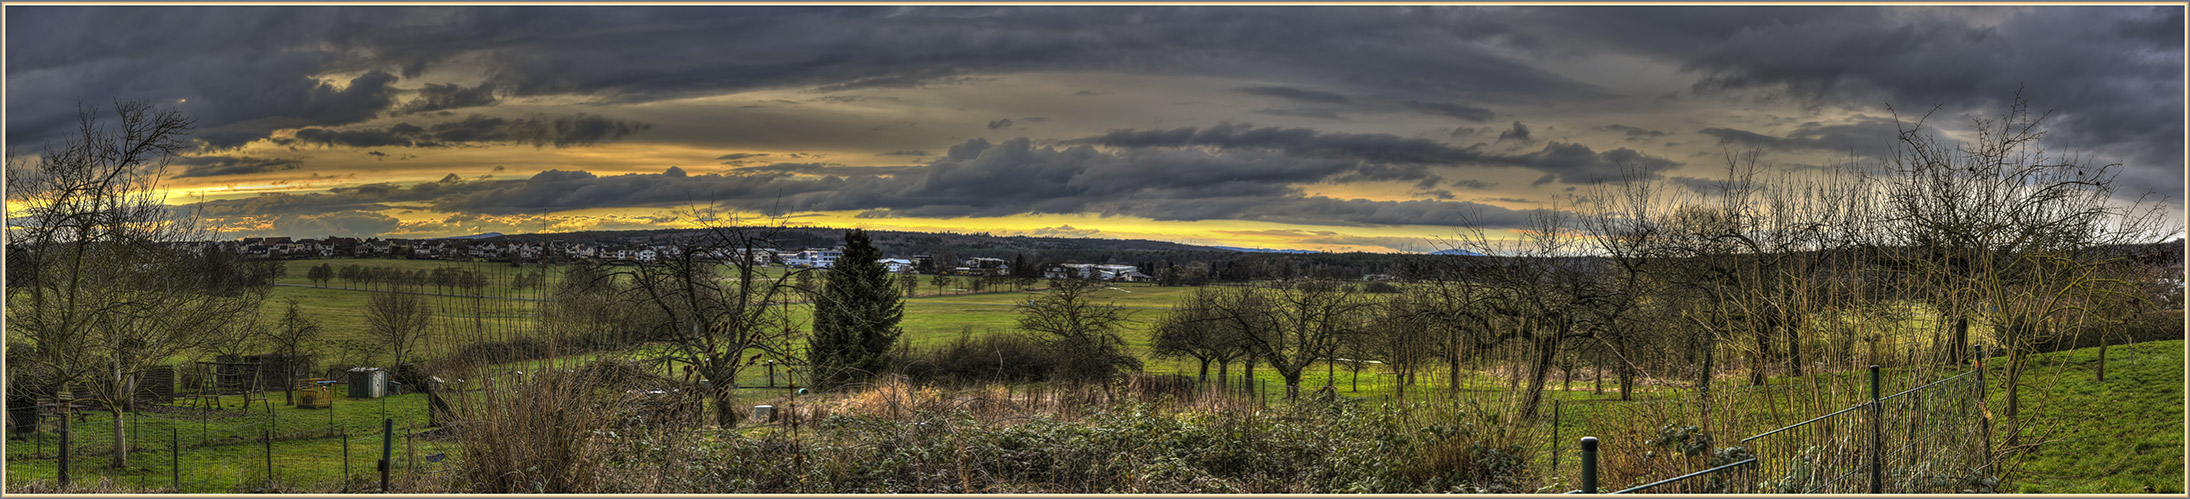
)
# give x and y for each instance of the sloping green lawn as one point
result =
(2116, 436)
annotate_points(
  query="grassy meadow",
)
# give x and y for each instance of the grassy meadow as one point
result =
(2121, 435)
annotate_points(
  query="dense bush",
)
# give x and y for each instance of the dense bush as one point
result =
(1379, 287)
(1320, 448)
(994, 356)
(549, 431)
(2149, 326)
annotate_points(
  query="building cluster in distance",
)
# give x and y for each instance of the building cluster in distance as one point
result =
(520, 252)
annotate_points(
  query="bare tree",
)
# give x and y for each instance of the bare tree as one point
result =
(1191, 331)
(1625, 222)
(1400, 336)
(292, 335)
(1080, 332)
(101, 285)
(2006, 233)
(398, 320)
(710, 320)
(1537, 291)
(1291, 325)
(585, 309)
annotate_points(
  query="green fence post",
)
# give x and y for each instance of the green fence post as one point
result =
(65, 440)
(267, 436)
(1589, 465)
(387, 450)
(345, 460)
(174, 458)
(1555, 437)
(1984, 418)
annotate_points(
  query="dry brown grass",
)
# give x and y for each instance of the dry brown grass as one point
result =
(103, 485)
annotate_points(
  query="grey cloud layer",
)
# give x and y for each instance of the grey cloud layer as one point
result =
(2112, 75)
(975, 179)
(1391, 157)
(214, 166)
(1865, 136)
(537, 131)
(247, 70)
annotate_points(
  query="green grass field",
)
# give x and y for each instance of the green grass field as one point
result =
(2116, 436)
(222, 450)
(2121, 435)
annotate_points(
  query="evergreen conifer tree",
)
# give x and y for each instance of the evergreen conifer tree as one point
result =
(856, 316)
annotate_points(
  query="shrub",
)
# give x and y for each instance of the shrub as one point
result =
(549, 431)
(994, 356)
(2149, 326)
(1321, 447)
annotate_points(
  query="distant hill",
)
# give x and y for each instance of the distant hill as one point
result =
(489, 235)
(1262, 250)
(1084, 250)
(1456, 252)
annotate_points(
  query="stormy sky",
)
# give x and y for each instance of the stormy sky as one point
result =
(1332, 128)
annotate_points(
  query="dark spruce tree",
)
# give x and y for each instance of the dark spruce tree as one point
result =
(855, 316)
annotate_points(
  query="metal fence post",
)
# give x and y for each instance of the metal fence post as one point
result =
(1589, 465)
(1984, 416)
(345, 460)
(1878, 428)
(174, 458)
(267, 436)
(1554, 437)
(65, 437)
(387, 450)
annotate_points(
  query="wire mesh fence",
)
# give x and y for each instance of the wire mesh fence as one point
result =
(1930, 437)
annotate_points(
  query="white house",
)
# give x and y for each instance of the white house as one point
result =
(1096, 272)
(896, 265)
(813, 258)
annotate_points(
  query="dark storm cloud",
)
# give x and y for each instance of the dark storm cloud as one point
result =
(439, 96)
(1519, 133)
(217, 165)
(221, 105)
(976, 179)
(1304, 113)
(1290, 93)
(1000, 124)
(1460, 111)
(537, 131)
(1564, 162)
(1704, 186)
(280, 203)
(337, 224)
(1634, 134)
(249, 70)
(1865, 136)
(2111, 75)
(826, 169)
